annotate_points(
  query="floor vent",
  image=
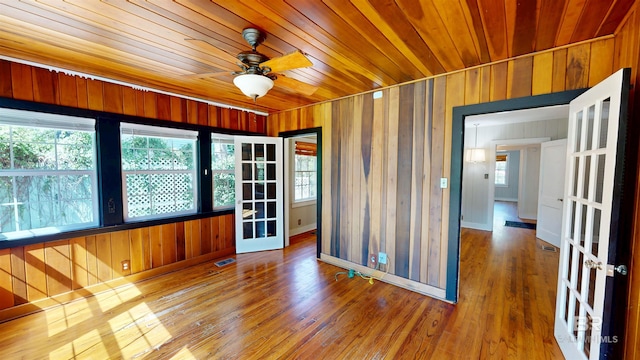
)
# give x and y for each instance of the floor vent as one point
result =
(224, 262)
(548, 248)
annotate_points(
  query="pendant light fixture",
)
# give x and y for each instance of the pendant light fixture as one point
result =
(253, 85)
(476, 154)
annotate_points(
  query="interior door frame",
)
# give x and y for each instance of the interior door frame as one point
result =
(622, 216)
(457, 160)
(317, 131)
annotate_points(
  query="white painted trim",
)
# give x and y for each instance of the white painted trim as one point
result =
(124, 83)
(404, 283)
(528, 216)
(476, 226)
(297, 204)
(506, 199)
(300, 230)
(287, 194)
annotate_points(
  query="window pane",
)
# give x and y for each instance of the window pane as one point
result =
(224, 189)
(305, 178)
(223, 170)
(159, 173)
(47, 176)
(501, 169)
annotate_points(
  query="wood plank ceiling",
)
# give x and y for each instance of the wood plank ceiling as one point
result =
(355, 45)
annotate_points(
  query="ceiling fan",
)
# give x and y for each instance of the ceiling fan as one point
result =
(258, 71)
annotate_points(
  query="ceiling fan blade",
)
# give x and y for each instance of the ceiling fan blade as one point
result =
(205, 75)
(295, 85)
(292, 60)
(210, 48)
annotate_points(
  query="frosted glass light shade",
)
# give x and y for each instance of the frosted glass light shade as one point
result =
(476, 155)
(252, 85)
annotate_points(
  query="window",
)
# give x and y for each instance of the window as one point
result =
(502, 170)
(305, 171)
(48, 180)
(223, 163)
(158, 171)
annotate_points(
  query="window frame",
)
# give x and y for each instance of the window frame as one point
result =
(159, 132)
(230, 138)
(310, 174)
(108, 155)
(313, 173)
(506, 170)
(25, 118)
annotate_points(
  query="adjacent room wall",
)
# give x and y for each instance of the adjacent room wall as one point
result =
(528, 194)
(31, 275)
(475, 202)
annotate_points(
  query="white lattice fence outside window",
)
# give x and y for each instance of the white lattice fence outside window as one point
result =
(159, 171)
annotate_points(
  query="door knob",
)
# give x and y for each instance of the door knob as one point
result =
(590, 264)
(560, 199)
(620, 269)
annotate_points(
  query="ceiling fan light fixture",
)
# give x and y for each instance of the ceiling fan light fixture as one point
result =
(252, 85)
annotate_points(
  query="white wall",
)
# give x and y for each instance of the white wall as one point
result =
(528, 194)
(474, 185)
(510, 192)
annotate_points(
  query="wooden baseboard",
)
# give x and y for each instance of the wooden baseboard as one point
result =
(418, 287)
(61, 299)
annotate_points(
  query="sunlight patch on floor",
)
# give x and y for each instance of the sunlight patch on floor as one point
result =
(114, 298)
(63, 318)
(184, 353)
(79, 345)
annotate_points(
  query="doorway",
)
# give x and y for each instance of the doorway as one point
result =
(460, 114)
(294, 211)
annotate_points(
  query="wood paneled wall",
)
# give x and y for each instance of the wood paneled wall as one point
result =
(31, 274)
(383, 158)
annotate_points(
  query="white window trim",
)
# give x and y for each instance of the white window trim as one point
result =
(26, 118)
(231, 140)
(506, 172)
(163, 132)
(305, 201)
(301, 203)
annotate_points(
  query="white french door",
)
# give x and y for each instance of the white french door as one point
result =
(589, 202)
(259, 193)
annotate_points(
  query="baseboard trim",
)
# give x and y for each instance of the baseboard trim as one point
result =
(64, 298)
(476, 226)
(505, 199)
(404, 283)
(302, 229)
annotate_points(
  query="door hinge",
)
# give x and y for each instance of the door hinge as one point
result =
(620, 269)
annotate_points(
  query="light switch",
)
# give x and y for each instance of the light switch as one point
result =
(444, 182)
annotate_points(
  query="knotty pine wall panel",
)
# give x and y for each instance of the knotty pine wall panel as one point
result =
(37, 272)
(383, 158)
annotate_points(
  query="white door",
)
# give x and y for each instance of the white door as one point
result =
(259, 194)
(550, 192)
(583, 318)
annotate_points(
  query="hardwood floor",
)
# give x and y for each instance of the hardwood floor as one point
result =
(287, 304)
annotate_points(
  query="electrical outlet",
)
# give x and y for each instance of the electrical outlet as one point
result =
(299, 221)
(125, 265)
(373, 258)
(382, 258)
